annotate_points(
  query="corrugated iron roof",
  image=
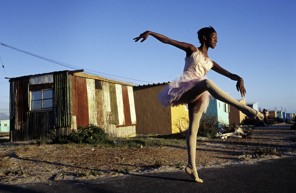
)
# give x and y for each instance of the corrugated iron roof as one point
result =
(46, 73)
(151, 85)
(79, 72)
(96, 77)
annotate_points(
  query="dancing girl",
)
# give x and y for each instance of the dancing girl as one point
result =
(194, 89)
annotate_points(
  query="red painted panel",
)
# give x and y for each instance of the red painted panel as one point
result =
(126, 106)
(80, 103)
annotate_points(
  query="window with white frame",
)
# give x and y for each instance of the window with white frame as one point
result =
(41, 99)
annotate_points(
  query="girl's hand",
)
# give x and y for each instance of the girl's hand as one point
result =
(142, 36)
(241, 87)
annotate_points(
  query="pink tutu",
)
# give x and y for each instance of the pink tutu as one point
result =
(171, 94)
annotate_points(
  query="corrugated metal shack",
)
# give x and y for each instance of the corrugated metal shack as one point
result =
(65, 100)
(152, 117)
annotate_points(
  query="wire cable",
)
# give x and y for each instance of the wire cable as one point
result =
(68, 65)
(3, 66)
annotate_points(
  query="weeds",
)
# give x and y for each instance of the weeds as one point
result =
(260, 153)
(208, 127)
(87, 135)
(97, 136)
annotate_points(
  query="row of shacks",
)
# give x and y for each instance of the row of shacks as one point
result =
(65, 100)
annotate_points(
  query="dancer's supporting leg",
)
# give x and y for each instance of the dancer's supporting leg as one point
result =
(215, 91)
(194, 120)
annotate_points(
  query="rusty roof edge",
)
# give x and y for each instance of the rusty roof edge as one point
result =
(78, 72)
(96, 77)
(152, 85)
(46, 73)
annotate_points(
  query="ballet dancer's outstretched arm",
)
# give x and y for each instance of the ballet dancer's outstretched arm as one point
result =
(188, 48)
(240, 81)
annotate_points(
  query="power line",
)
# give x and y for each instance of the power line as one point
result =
(40, 57)
(3, 66)
(67, 65)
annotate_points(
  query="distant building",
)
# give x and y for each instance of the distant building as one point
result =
(219, 110)
(281, 114)
(254, 105)
(272, 114)
(4, 126)
(152, 117)
(236, 116)
(290, 116)
(65, 100)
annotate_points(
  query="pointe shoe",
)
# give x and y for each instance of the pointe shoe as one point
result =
(259, 119)
(193, 174)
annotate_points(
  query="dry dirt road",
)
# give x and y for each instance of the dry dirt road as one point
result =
(23, 163)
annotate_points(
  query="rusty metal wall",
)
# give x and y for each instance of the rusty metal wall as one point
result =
(126, 106)
(91, 99)
(79, 101)
(113, 117)
(62, 107)
(26, 125)
(19, 107)
(152, 117)
(40, 123)
(111, 103)
(100, 103)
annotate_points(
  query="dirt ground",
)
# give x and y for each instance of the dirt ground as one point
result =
(32, 163)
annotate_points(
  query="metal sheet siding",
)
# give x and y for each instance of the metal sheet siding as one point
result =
(44, 79)
(119, 101)
(62, 107)
(19, 107)
(79, 101)
(106, 96)
(99, 103)
(39, 124)
(152, 117)
(91, 101)
(25, 124)
(106, 103)
(113, 116)
(126, 106)
(132, 104)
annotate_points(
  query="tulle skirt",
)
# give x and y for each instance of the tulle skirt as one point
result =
(172, 93)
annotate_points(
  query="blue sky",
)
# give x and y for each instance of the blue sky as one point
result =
(256, 40)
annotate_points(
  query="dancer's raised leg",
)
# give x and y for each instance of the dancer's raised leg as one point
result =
(215, 91)
(194, 120)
